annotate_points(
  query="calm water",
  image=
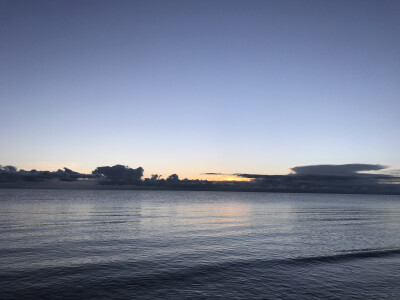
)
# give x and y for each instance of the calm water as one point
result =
(64, 244)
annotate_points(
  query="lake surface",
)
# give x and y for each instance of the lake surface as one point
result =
(75, 244)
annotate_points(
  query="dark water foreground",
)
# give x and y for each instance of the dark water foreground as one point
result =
(65, 244)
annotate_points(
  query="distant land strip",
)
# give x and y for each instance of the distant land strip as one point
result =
(342, 179)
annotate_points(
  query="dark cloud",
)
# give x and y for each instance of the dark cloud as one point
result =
(329, 179)
(244, 175)
(348, 169)
(120, 174)
(212, 173)
(11, 174)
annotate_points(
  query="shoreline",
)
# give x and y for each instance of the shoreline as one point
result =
(89, 185)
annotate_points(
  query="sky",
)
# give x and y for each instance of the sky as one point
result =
(190, 87)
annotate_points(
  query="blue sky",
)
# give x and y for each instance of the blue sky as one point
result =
(190, 87)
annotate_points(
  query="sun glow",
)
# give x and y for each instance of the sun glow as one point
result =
(235, 178)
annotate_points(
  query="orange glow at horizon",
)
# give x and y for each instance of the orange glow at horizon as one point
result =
(222, 178)
(235, 178)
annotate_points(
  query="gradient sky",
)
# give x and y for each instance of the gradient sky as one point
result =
(199, 86)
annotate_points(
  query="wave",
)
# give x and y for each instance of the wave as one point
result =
(209, 267)
(242, 266)
(354, 254)
(156, 279)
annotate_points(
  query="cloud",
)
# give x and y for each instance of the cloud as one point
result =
(329, 178)
(10, 174)
(121, 174)
(393, 172)
(243, 175)
(255, 176)
(213, 174)
(339, 170)
(346, 170)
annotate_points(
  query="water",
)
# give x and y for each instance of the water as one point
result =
(70, 244)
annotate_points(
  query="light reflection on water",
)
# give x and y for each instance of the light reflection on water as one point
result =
(116, 244)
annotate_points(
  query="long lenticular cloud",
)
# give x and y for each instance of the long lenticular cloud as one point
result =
(347, 169)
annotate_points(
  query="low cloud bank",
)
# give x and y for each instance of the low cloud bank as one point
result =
(328, 178)
(340, 170)
(11, 174)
